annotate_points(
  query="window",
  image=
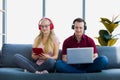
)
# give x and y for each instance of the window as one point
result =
(100, 8)
(22, 20)
(23, 17)
(63, 12)
(0, 23)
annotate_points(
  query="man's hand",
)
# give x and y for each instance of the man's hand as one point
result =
(64, 58)
(95, 56)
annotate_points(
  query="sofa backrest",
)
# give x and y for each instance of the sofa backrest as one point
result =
(113, 54)
(9, 50)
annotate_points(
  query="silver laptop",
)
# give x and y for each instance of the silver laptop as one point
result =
(80, 55)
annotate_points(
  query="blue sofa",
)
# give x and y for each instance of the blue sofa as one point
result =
(10, 71)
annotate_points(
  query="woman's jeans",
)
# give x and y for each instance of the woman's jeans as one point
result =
(31, 66)
(98, 64)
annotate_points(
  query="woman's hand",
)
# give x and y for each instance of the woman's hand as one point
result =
(44, 56)
(35, 57)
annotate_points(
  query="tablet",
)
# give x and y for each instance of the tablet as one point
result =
(37, 51)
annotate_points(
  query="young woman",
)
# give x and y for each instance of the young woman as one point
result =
(46, 41)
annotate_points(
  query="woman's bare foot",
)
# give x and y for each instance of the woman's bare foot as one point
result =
(42, 72)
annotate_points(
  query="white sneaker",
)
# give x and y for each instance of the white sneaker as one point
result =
(42, 72)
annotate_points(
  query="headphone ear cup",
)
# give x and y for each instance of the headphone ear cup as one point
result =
(39, 27)
(51, 26)
(85, 27)
(73, 26)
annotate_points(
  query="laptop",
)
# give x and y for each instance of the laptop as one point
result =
(80, 55)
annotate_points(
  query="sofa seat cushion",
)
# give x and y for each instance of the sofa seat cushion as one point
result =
(10, 70)
(19, 74)
(111, 71)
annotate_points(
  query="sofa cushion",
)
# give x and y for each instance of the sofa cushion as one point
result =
(9, 50)
(113, 54)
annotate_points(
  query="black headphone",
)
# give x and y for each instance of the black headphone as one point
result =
(79, 20)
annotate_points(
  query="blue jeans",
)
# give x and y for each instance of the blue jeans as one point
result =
(98, 64)
(31, 66)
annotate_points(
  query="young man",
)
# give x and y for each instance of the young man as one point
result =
(79, 39)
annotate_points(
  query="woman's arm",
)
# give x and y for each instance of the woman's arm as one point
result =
(35, 57)
(55, 50)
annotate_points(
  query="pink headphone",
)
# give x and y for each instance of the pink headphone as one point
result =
(51, 24)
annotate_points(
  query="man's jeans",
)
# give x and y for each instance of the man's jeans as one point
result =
(98, 64)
